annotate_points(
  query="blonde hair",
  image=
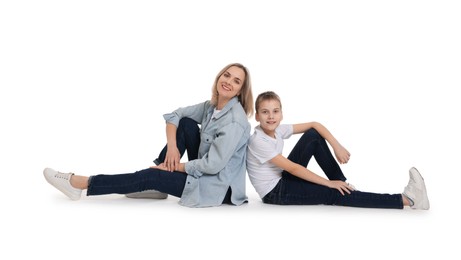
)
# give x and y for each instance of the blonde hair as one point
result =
(268, 95)
(246, 95)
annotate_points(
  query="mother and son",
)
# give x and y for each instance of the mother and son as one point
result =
(222, 150)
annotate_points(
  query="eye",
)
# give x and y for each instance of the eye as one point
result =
(236, 81)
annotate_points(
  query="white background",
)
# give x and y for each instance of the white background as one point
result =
(84, 85)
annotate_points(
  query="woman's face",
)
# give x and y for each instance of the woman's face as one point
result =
(230, 83)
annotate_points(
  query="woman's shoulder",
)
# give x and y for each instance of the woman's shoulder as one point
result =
(238, 112)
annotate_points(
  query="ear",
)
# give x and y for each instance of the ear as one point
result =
(256, 117)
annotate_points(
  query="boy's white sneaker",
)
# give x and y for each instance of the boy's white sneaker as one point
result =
(147, 194)
(416, 190)
(61, 181)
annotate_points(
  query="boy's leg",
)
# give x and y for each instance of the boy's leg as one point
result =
(311, 144)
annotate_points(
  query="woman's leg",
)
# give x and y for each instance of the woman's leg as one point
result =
(187, 139)
(147, 179)
(138, 183)
(311, 144)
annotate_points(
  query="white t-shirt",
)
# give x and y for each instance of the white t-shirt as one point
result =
(215, 112)
(261, 149)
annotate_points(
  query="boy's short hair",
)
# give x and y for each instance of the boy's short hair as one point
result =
(268, 95)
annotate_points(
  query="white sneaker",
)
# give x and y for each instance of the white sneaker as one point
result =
(147, 194)
(416, 190)
(61, 181)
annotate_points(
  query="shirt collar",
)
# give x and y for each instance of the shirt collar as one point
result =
(226, 108)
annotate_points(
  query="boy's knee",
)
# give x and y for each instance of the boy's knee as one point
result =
(312, 132)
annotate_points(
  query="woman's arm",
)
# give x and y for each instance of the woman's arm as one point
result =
(194, 112)
(305, 174)
(173, 156)
(342, 155)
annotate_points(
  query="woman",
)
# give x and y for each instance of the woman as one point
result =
(287, 181)
(215, 173)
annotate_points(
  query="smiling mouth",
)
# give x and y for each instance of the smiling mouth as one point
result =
(225, 87)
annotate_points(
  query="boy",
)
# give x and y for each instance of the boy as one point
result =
(287, 181)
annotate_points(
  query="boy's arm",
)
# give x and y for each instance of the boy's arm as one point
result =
(305, 174)
(342, 155)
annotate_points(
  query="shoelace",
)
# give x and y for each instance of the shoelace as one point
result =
(61, 175)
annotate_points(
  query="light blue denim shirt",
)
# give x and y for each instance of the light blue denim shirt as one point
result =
(221, 159)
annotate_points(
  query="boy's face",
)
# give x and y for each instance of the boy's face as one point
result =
(269, 115)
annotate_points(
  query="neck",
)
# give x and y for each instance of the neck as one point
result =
(222, 103)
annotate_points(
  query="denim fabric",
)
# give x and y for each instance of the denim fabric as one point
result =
(292, 190)
(216, 170)
(187, 139)
(221, 155)
(147, 179)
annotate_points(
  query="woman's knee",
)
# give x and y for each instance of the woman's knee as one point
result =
(187, 123)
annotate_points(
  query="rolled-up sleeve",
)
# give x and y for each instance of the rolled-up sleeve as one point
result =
(195, 112)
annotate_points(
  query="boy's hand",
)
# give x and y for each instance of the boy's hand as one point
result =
(342, 155)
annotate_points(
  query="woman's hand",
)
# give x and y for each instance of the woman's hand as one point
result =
(341, 186)
(160, 167)
(172, 159)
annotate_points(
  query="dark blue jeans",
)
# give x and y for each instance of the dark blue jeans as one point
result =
(292, 190)
(187, 138)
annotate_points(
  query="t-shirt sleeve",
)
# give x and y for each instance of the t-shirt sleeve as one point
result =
(285, 131)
